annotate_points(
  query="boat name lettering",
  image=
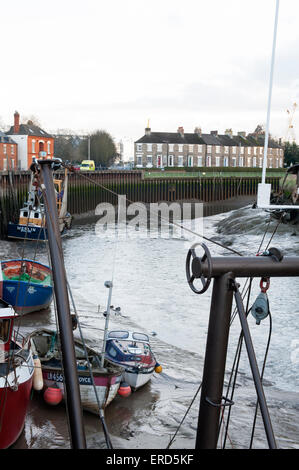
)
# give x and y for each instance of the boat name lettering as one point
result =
(58, 377)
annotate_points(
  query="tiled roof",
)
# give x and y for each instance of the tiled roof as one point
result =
(5, 139)
(29, 129)
(171, 138)
(208, 139)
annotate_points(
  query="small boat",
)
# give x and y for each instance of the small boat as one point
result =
(46, 345)
(32, 222)
(132, 351)
(26, 285)
(16, 377)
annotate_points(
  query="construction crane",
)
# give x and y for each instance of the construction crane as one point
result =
(290, 131)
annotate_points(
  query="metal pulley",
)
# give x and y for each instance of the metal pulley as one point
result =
(194, 264)
(260, 308)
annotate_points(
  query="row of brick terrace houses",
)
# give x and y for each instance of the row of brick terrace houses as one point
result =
(22, 144)
(181, 149)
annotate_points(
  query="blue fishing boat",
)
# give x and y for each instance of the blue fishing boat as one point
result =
(31, 224)
(26, 285)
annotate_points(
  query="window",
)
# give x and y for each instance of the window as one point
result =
(12, 150)
(225, 149)
(241, 150)
(180, 160)
(209, 163)
(217, 161)
(199, 148)
(234, 150)
(180, 147)
(270, 163)
(249, 161)
(248, 150)
(159, 147)
(241, 161)
(149, 147)
(149, 161)
(139, 147)
(218, 149)
(209, 148)
(49, 147)
(4, 149)
(33, 146)
(254, 162)
(280, 162)
(277, 163)
(190, 148)
(139, 160)
(199, 161)
(225, 161)
(234, 161)
(4, 329)
(170, 147)
(261, 162)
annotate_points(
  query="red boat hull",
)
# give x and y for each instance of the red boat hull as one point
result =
(13, 408)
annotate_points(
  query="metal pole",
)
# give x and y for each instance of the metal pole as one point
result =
(270, 95)
(108, 284)
(73, 401)
(255, 371)
(214, 366)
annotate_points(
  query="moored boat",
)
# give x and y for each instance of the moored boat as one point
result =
(16, 375)
(26, 285)
(46, 345)
(132, 351)
(32, 222)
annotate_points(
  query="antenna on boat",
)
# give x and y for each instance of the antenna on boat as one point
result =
(108, 284)
(74, 407)
(264, 189)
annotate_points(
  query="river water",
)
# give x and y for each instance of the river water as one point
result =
(150, 286)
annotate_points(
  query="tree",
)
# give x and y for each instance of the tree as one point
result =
(291, 153)
(64, 148)
(102, 148)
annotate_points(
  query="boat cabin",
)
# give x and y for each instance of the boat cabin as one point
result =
(125, 346)
(32, 215)
(7, 316)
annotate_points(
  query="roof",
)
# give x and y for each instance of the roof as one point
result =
(29, 129)
(251, 140)
(171, 138)
(5, 139)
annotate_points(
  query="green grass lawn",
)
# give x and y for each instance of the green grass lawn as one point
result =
(211, 174)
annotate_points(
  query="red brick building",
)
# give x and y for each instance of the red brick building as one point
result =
(33, 142)
(8, 153)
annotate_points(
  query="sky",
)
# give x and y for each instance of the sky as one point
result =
(115, 64)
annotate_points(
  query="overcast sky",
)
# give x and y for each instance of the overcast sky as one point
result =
(114, 64)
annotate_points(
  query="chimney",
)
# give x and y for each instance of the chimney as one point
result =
(148, 129)
(197, 131)
(181, 131)
(16, 122)
(242, 134)
(214, 132)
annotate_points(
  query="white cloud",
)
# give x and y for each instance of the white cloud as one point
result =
(113, 65)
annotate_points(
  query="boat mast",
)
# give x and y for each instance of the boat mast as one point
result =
(108, 284)
(75, 414)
